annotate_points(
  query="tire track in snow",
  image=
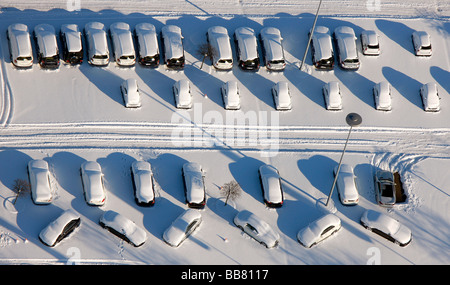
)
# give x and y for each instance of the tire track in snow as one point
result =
(120, 135)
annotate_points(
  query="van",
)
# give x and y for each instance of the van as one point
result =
(147, 42)
(247, 48)
(219, 40)
(272, 48)
(172, 41)
(346, 47)
(20, 45)
(47, 47)
(122, 44)
(72, 45)
(97, 43)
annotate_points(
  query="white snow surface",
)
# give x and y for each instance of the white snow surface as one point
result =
(76, 113)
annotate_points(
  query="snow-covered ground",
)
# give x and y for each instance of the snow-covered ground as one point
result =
(76, 114)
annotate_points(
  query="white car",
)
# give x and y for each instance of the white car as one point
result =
(123, 227)
(142, 176)
(20, 45)
(346, 47)
(47, 46)
(370, 43)
(122, 44)
(430, 97)
(97, 43)
(172, 41)
(93, 187)
(385, 188)
(147, 42)
(182, 227)
(332, 95)
(382, 96)
(272, 48)
(230, 95)
(422, 43)
(322, 48)
(194, 185)
(386, 227)
(130, 93)
(39, 175)
(219, 40)
(271, 186)
(318, 230)
(257, 228)
(182, 94)
(281, 96)
(60, 228)
(346, 185)
(70, 36)
(247, 48)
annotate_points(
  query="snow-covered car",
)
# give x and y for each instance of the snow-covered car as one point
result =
(92, 180)
(281, 96)
(422, 43)
(319, 230)
(182, 94)
(382, 96)
(60, 228)
(39, 175)
(123, 227)
(271, 186)
(47, 46)
(332, 94)
(122, 44)
(142, 176)
(130, 93)
(97, 43)
(194, 185)
(182, 227)
(247, 48)
(430, 97)
(322, 48)
(172, 41)
(370, 42)
(346, 185)
(256, 228)
(385, 188)
(20, 45)
(346, 47)
(219, 40)
(272, 48)
(72, 51)
(230, 95)
(386, 227)
(147, 43)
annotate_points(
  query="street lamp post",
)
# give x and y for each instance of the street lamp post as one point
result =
(310, 35)
(353, 120)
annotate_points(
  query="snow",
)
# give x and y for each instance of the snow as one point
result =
(76, 114)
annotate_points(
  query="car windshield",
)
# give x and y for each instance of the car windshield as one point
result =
(21, 58)
(387, 190)
(277, 61)
(374, 46)
(426, 47)
(176, 60)
(225, 61)
(100, 56)
(51, 59)
(124, 57)
(353, 60)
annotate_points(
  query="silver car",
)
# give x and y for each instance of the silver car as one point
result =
(386, 227)
(182, 227)
(385, 188)
(257, 228)
(124, 228)
(39, 175)
(60, 228)
(194, 184)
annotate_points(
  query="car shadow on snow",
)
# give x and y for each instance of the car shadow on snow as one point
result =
(405, 85)
(397, 32)
(442, 77)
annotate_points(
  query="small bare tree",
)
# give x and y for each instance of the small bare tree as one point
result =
(206, 50)
(20, 187)
(231, 190)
